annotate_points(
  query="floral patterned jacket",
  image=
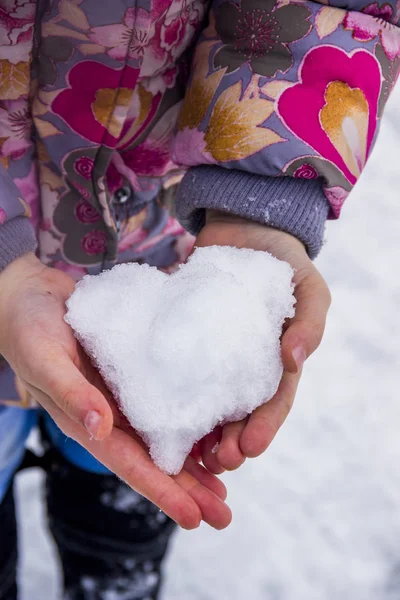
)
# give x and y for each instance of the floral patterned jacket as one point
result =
(283, 97)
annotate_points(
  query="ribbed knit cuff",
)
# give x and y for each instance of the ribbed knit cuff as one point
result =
(17, 237)
(297, 206)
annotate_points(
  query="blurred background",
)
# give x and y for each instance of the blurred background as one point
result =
(318, 516)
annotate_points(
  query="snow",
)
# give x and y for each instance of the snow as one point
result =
(318, 516)
(185, 352)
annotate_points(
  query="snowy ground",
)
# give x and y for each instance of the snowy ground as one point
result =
(317, 517)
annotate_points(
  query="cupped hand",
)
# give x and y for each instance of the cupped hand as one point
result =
(226, 448)
(51, 365)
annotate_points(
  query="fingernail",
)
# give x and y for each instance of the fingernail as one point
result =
(92, 422)
(299, 356)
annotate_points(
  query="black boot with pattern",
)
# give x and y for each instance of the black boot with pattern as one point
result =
(110, 539)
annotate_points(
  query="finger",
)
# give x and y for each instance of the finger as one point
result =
(181, 497)
(207, 479)
(62, 381)
(209, 445)
(128, 459)
(266, 420)
(304, 333)
(214, 512)
(196, 452)
(229, 453)
(203, 476)
(171, 494)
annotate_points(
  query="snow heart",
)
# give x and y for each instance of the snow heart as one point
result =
(184, 352)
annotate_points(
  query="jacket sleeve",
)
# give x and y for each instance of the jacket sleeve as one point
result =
(17, 235)
(283, 109)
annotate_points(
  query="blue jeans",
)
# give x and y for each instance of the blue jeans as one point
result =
(15, 427)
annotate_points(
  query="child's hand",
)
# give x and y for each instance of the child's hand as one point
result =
(303, 334)
(49, 362)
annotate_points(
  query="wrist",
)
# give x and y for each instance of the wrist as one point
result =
(225, 229)
(22, 267)
(13, 280)
(296, 206)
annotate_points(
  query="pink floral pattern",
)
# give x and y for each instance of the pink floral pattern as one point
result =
(86, 213)
(84, 166)
(172, 34)
(372, 22)
(86, 105)
(153, 156)
(15, 128)
(17, 18)
(94, 242)
(191, 143)
(306, 171)
(3, 216)
(106, 101)
(128, 38)
(345, 136)
(84, 192)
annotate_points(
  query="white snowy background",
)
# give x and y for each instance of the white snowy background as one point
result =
(318, 516)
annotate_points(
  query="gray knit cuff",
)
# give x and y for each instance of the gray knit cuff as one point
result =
(17, 237)
(297, 206)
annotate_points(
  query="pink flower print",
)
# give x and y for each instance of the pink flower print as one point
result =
(169, 76)
(94, 242)
(374, 21)
(97, 100)
(306, 172)
(17, 18)
(82, 190)
(118, 162)
(86, 213)
(16, 127)
(158, 84)
(342, 131)
(84, 166)
(189, 148)
(153, 156)
(129, 38)
(46, 225)
(173, 33)
(3, 216)
(179, 25)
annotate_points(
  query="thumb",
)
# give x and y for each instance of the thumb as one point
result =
(74, 395)
(305, 330)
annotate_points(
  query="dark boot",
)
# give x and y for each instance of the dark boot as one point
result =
(110, 539)
(8, 547)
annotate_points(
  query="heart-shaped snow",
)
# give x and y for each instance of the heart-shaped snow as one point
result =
(184, 352)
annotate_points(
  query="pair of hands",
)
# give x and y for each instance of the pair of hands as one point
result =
(51, 365)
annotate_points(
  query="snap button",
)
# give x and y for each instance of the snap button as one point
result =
(123, 194)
